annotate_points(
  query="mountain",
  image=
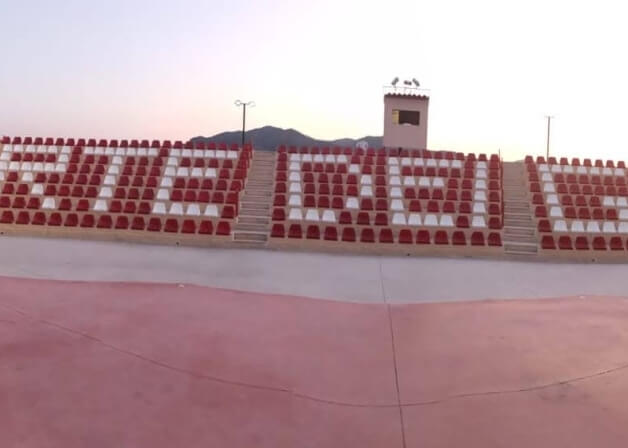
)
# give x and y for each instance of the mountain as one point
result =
(269, 138)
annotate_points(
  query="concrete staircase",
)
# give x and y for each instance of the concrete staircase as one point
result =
(519, 226)
(252, 226)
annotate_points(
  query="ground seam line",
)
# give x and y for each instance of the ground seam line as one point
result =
(394, 352)
(194, 374)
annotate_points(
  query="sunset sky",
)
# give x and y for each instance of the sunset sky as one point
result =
(164, 69)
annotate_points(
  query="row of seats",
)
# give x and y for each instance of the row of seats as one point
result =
(582, 179)
(119, 222)
(146, 194)
(380, 180)
(116, 206)
(581, 225)
(575, 161)
(383, 218)
(540, 211)
(317, 162)
(366, 203)
(102, 143)
(383, 192)
(573, 189)
(380, 170)
(565, 242)
(383, 152)
(385, 235)
(579, 200)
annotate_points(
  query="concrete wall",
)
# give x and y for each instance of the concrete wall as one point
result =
(405, 136)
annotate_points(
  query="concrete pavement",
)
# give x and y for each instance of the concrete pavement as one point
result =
(144, 365)
(369, 279)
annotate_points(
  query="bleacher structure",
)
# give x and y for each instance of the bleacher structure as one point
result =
(127, 190)
(331, 198)
(579, 207)
(405, 202)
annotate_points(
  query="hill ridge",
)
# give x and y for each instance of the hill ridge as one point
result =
(270, 137)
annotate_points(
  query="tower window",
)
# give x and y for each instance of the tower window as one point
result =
(407, 117)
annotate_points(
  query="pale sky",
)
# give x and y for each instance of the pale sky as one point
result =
(172, 69)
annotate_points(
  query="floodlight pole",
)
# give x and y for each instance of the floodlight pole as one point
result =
(239, 103)
(549, 120)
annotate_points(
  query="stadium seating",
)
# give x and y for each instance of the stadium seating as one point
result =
(130, 189)
(579, 206)
(387, 197)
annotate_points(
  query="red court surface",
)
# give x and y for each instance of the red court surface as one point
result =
(150, 365)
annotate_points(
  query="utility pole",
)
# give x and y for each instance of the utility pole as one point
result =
(549, 120)
(239, 103)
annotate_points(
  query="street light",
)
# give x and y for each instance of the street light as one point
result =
(243, 104)
(549, 120)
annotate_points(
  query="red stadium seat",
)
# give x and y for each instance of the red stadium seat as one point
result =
(331, 233)
(295, 231)
(440, 237)
(462, 222)
(206, 227)
(122, 222)
(23, 218)
(345, 218)
(494, 223)
(616, 243)
(223, 228)
(477, 239)
(39, 219)
(381, 219)
(278, 231)
(423, 237)
(104, 222)
(154, 225)
(386, 236)
(363, 219)
(313, 232)
(458, 238)
(367, 235)
(547, 242)
(599, 243)
(88, 221)
(348, 234)
(540, 212)
(544, 226)
(564, 243)
(405, 236)
(494, 239)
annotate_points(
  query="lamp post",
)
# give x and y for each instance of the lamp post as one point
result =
(243, 104)
(549, 120)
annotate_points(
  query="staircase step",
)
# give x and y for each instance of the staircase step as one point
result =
(253, 205)
(522, 210)
(508, 214)
(520, 232)
(255, 213)
(261, 181)
(253, 222)
(519, 224)
(258, 194)
(518, 248)
(250, 228)
(250, 236)
(253, 219)
(252, 202)
(523, 242)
